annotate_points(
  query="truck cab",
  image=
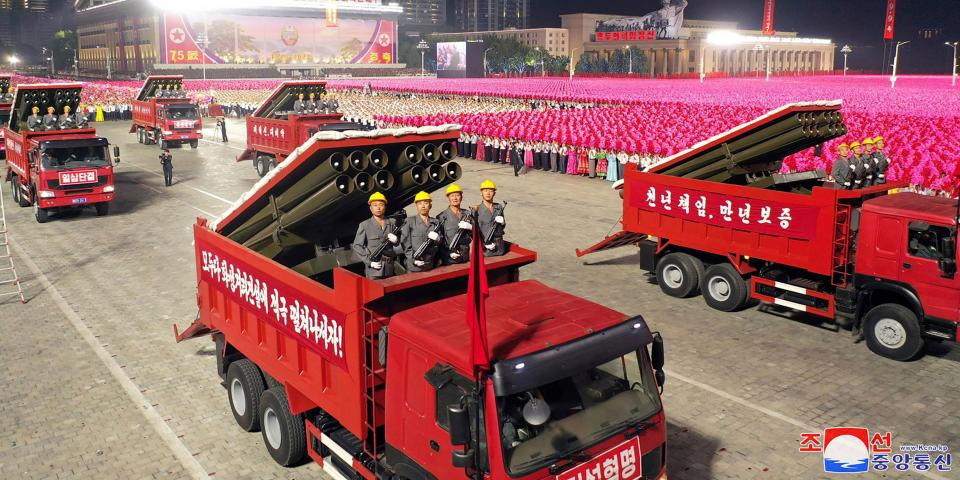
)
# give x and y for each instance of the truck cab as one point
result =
(6, 103)
(572, 389)
(162, 113)
(53, 170)
(907, 256)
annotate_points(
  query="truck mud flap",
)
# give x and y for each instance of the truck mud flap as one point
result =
(792, 296)
(332, 458)
(619, 239)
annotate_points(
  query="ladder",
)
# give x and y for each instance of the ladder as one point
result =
(9, 280)
(841, 246)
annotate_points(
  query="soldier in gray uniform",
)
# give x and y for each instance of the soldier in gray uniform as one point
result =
(50, 119)
(490, 221)
(333, 105)
(67, 121)
(35, 121)
(869, 162)
(299, 106)
(311, 105)
(422, 230)
(371, 234)
(455, 220)
(882, 162)
(841, 169)
(858, 170)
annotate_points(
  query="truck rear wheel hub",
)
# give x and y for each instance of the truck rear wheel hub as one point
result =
(238, 396)
(890, 333)
(271, 427)
(719, 288)
(673, 276)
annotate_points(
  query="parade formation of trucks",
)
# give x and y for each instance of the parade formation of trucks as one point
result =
(274, 130)
(373, 379)
(720, 220)
(6, 103)
(162, 113)
(56, 169)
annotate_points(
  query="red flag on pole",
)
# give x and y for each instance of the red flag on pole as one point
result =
(477, 292)
(891, 20)
(768, 7)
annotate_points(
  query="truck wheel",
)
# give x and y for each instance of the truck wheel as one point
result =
(272, 164)
(194, 143)
(15, 189)
(23, 202)
(893, 331)
(244, 388)
(41, 213)
(723, 288)
(103, 209)
(284, 434)
(260, 163)
(139, 135)
(678, 274)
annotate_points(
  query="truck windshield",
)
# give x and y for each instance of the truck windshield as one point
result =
(182, 113)
(543, 424)
(75, 157)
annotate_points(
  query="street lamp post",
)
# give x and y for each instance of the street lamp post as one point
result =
(543, 72)
(758, 48)
(13, 61)
(629, 59)
(953, 73)
(572, 53)
(896, 62)
(846, 50)
(423, 47)
(485, 70)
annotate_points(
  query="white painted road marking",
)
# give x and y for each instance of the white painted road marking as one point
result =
(211, 195)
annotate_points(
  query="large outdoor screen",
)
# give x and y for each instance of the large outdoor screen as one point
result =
(255, 39)
(452, 59)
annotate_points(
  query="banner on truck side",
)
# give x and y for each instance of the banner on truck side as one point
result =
(312, 323)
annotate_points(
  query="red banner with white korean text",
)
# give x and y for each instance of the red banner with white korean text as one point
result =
(891, 20)
(314, 324)
(768, 12)
(750, 214)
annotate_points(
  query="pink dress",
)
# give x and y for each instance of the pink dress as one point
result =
(572, 162)
(528, 157)
(480, 150)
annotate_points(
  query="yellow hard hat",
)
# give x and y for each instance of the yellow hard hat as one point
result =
(487, 185)
(422, 196)
(868, 141)
(843, 145)
(878, 139)
(453, 188)
(854, 144)
(376, 197)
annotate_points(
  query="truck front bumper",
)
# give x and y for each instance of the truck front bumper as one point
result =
(75, 200)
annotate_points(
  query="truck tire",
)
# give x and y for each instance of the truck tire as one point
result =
(103, 209)
(678, 274)
(41, 213)
(260, 164)
(15, 189)
(893, 331)
(194, 143)
(271, 164)
(244, 389)
(284, 434)
(723, 288)
(139, 135)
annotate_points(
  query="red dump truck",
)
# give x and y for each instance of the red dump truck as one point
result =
(56, 169)
(372, 378)
(6, 104)
(163, 114)
(275, 129)
(719, 220)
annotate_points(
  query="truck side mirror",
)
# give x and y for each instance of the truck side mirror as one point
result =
(948, 267)
(116, 154)
(459, 425)
(657, 354)
(948, 247)
(464, 459)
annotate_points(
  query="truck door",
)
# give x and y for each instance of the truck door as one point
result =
(939, 294)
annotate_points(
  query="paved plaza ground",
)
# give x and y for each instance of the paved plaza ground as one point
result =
(96, 387)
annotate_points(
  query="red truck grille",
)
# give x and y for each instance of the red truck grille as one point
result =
(55, 184)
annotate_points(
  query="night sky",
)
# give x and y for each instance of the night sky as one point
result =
(858, 23)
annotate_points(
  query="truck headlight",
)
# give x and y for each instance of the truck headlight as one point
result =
(199, 132)
(46, 194)
(167, 132)
(108, 189)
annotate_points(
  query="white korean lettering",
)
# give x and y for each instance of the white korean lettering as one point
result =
(744, 213)
(683, 203)
(665, 200)
(628, 462)
(765, 216)
(702, 207)
(726, 210)
(593, 473)
(652, 197)
(611, 468)
(785, 218)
